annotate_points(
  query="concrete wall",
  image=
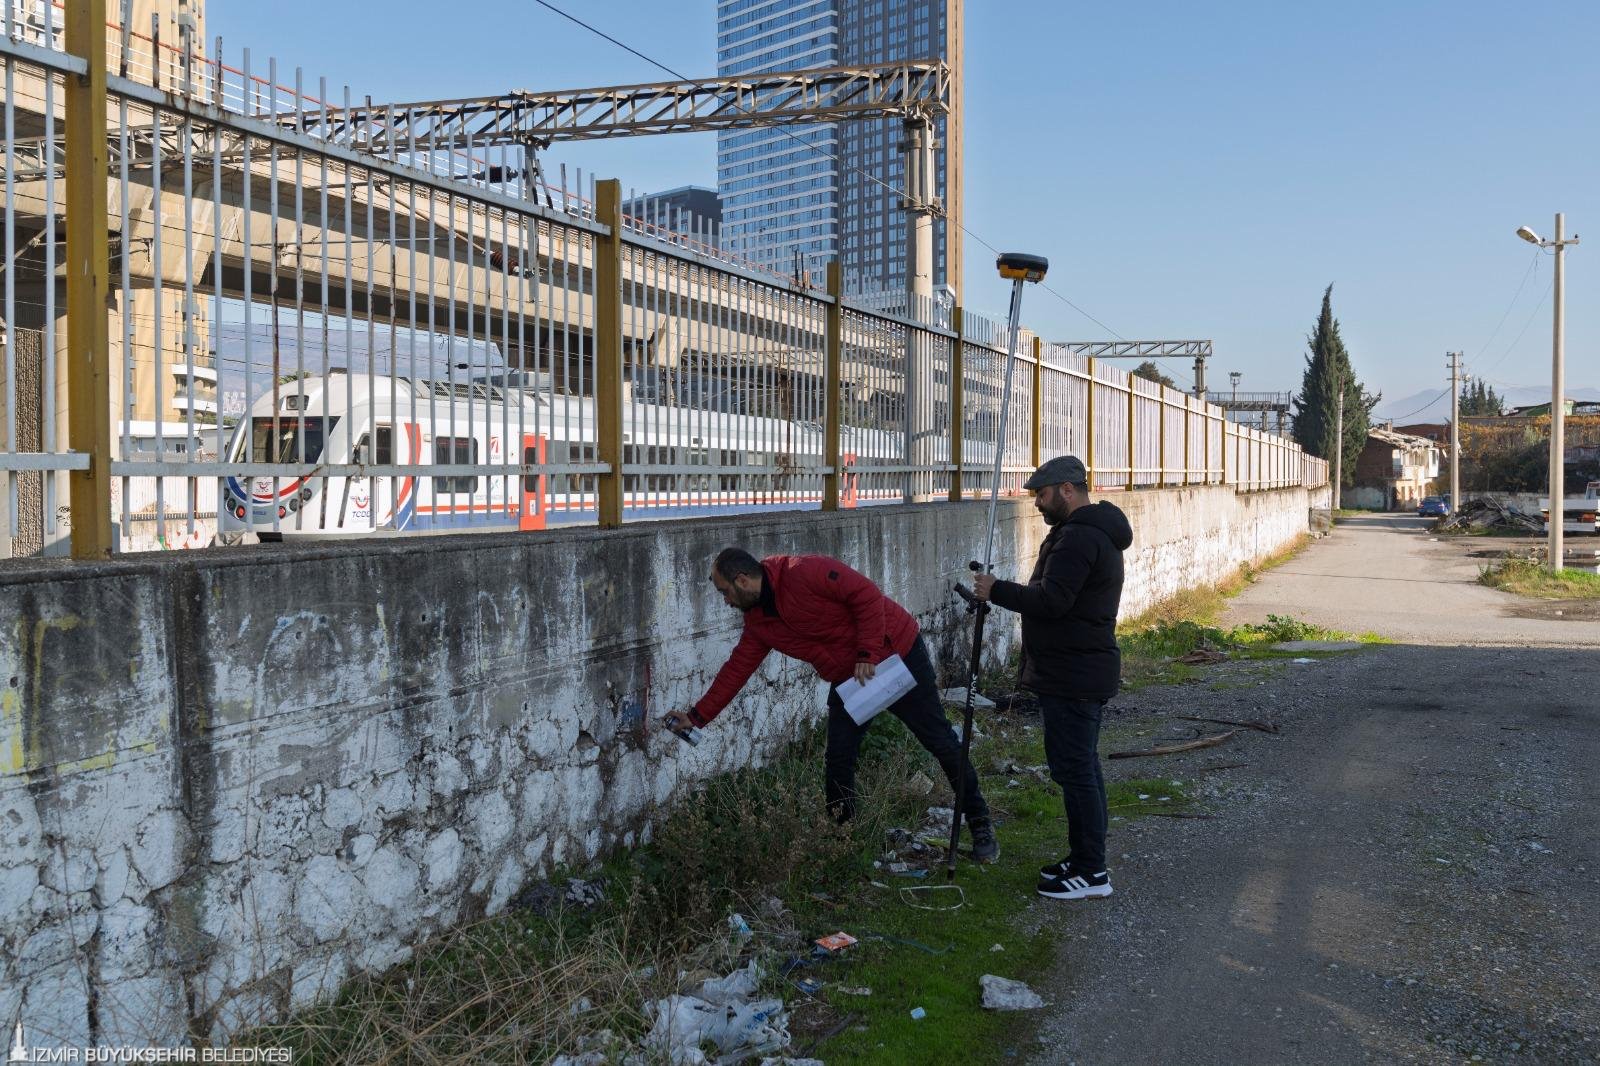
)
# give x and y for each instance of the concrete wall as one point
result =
(230, 779)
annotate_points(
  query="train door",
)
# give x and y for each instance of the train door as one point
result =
(535, 489)
(848, 479)
(373, 494)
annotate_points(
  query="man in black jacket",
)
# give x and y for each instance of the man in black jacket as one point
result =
(1070, 656)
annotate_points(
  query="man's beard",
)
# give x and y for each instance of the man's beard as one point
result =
(1055, 514)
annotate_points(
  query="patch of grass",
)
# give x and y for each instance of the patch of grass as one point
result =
(1526, 577)
(933, 959)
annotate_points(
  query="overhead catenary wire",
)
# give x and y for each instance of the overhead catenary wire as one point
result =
(834, 156)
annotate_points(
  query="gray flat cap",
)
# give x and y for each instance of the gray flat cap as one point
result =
(1058, 471)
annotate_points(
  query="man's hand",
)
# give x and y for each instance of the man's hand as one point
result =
(679, 721)
(864, 672)
(981, 584)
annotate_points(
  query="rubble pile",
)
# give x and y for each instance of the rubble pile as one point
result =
(1481, 512)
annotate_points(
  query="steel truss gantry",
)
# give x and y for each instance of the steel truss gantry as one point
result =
(1199, 351)
(911, 90)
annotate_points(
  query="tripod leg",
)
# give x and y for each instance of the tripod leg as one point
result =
(966, 742)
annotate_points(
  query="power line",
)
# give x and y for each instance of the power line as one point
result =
(835, 157)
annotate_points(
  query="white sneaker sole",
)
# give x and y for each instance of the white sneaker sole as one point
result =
(1091, 892)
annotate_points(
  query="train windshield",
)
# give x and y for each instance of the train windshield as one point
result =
(276, 439)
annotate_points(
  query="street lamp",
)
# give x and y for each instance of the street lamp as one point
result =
(1558, 409)
(1234, 376)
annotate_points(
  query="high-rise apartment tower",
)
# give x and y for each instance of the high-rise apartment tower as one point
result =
(793, 206)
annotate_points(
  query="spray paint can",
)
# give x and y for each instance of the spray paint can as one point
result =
(690, 736)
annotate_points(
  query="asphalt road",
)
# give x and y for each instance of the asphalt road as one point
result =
(1407, 872)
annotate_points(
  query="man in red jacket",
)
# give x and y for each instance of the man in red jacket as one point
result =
(818, 610)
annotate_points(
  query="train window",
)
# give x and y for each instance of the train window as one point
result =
(383, 455)
(280, 439)
(530, 482)
(455, 450)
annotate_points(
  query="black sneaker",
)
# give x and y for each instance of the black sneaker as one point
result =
(1076, 886)
(985, 848)
(1057, 871)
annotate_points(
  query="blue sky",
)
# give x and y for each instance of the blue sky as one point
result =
(1191, 170)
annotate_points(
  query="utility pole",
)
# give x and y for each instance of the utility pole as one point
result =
(1455, 430)
(1558, 405)
(1558, 387)
(1338, 449)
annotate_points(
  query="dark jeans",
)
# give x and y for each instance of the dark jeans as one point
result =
(923, 714)
(1071, 747)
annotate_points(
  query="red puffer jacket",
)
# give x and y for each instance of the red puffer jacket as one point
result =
(821, 612)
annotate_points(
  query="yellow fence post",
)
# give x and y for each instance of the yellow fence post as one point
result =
(1038, 403)
(87, 270)
(833, 387)
(957, 406)
(1088, 435)
(608, 349)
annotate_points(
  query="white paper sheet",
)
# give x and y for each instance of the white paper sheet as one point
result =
(891, 681)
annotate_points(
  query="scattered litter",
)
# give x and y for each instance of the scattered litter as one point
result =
(1445, 862)
(909, 872)
(835, 941)
(917, 1013)
(739, 927)
(784, 1060)
(877, 884)
(1202, 657)
(809, 985)
(585, 894)
(848, 991)
(919, 784)
(897, 838)
(1000, 993)
(997, 947)
(1144, 795)
(739, 985)
(681, 1023)
(1536, 846)
(1302, 661)
(958, 696)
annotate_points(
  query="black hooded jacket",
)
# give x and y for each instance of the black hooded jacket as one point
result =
(1069, 605)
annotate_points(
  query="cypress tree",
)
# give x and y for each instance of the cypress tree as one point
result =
(1316, 406)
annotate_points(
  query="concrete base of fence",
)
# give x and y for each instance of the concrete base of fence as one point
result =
(231, 779)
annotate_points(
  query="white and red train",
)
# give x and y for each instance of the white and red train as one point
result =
(341, 419)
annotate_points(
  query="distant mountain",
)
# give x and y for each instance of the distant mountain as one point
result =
(1433, 405)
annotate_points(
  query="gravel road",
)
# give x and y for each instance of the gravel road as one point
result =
(1408, 872)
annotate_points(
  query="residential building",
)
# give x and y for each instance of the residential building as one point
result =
(796, 197)
(1394, 471)
(691, 209)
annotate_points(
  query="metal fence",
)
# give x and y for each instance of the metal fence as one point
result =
(292, 335)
